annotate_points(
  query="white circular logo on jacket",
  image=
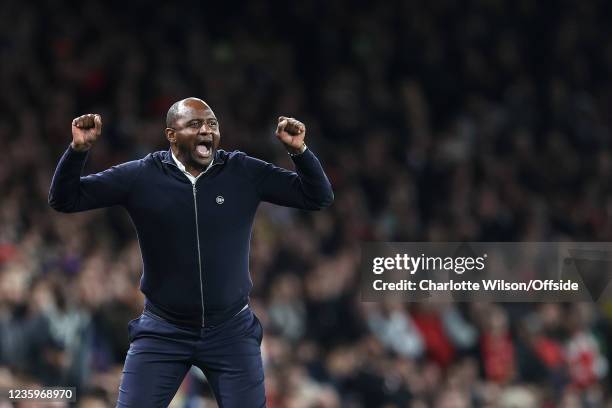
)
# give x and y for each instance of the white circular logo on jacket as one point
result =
(220, 199)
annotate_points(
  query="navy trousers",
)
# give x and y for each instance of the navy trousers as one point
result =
(161, 353)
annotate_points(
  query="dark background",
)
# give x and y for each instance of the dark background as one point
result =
(437, 120)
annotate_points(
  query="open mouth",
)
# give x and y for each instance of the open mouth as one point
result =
(204, 148)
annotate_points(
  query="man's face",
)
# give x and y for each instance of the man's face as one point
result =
(195, 134)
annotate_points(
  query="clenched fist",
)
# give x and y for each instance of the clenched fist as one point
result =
(85, 131)
(291, 132)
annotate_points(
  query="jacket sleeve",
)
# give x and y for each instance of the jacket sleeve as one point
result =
(70, 192)
(307, 188)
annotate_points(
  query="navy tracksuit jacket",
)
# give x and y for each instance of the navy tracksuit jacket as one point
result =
(194, 239)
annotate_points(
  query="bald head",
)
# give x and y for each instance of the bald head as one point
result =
(178, 109)
(193, 132)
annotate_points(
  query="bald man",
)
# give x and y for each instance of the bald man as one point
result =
(193, 208)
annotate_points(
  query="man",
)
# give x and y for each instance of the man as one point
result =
(193, 208)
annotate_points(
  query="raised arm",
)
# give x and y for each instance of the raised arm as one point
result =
(70, 192)
(307, 188)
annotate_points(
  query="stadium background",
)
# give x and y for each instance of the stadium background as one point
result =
(442, 120)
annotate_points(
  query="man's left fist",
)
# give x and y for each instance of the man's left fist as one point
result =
(291, 132)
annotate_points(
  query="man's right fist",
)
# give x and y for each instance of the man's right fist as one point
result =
(85, 131)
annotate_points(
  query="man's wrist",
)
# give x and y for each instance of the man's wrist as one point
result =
(79, 148)
(297, 151)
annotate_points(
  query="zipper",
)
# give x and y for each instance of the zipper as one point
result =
(195, 206)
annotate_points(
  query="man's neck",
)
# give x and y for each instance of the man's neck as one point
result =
(195, 172)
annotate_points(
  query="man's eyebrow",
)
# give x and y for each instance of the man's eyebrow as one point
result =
(207, 119)
(202, 120)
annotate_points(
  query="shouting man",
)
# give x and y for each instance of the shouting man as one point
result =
(193, 208)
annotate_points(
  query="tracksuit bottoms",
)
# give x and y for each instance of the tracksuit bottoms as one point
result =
(161, 354)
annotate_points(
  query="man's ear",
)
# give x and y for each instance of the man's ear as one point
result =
(170, 135)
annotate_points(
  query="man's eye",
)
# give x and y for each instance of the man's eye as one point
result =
(195, 125)
(212, 124)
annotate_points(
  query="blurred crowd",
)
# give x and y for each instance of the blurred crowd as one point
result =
(484, 120)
